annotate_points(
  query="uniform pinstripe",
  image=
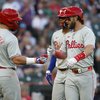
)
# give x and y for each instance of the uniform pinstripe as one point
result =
(9, 83)
(68, 85)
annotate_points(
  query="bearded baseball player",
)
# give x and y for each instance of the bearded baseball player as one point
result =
(58, 50)
(10, 55)
(75, 79)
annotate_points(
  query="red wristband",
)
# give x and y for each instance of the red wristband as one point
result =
(80, 56)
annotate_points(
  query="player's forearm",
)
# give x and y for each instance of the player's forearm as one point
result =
(60, 54)
(52, 63)
(88, 50)
(21, 60)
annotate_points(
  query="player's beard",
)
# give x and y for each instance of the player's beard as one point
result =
(65, 25)
(15, 32)
(72, 25)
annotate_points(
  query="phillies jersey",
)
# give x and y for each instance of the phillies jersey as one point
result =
(58, 42)
(8, 48)
(74, 43)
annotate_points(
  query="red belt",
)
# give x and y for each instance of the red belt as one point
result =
(81, 70)
(7, 68)
(78, 70)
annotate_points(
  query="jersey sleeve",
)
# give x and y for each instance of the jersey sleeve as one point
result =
(52, 41)
(13, 48)
(89, 38)
(63, 46)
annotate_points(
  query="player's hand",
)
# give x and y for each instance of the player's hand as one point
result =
(49, 77)
(50, 50)
(71, 62)
(60, 54)
(42, 59)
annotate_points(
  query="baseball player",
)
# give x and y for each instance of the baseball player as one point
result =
(58, 43)
(10, 55)
(75, 79)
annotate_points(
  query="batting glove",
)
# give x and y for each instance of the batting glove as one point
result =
(49, 77)
(50, 51)
(71, 62)
(42, 59)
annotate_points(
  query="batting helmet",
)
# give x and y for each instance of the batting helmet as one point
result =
(70, 11)
(10, 18)
(75, 11)
(63, 12)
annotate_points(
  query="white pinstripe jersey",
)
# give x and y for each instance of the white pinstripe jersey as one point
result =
(75, 42)
(8, 48)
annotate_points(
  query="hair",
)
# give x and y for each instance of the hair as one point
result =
(81, 20)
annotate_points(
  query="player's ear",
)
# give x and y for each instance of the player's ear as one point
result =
(78, 18)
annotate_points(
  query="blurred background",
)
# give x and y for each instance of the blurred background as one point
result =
(34, 35)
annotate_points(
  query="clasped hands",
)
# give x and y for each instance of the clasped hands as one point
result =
(42, 59)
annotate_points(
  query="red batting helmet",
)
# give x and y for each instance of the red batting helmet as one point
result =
(70, 11)
(63, 12)
(10, 18)
(75, 11)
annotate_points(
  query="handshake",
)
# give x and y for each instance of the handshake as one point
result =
(42, 59)
(50, 51)
(38, 60)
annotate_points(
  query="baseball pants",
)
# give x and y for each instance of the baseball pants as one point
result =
(10, 87)
(70, 86)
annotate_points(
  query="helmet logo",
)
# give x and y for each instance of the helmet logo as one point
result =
(62, 11)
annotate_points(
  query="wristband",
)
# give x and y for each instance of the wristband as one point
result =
(80, 56)
(30, 60)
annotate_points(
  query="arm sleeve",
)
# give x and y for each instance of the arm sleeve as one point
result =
(52, 63)
(13, 48)
(64, 46)
(52, 41)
